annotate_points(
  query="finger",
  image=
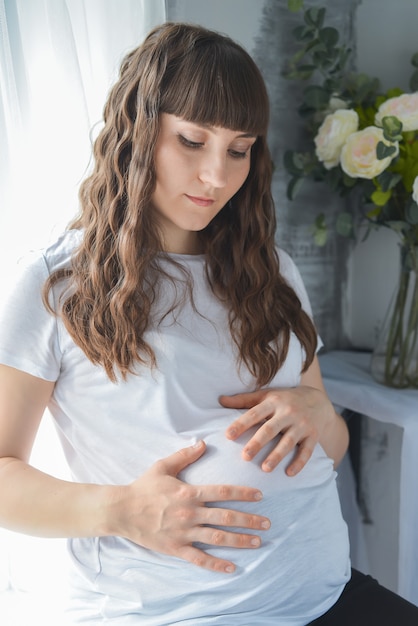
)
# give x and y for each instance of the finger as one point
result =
(242, 400)
(224, 493)
(229, 517)
(265, 434)
(175, 463)
(303, 452)
(255, 415)
(202, 559)
(303, 455)
(226, 539)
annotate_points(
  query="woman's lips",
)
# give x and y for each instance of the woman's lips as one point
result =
(200, 201)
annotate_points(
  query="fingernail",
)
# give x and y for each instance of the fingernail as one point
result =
(197, 444)
(258, 496)
(248, 453)
(230, 569)
(232, 432)
(256, 541)
(265, 524)
(268, 466)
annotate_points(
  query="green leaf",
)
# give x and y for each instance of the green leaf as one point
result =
(315, 17)
(293, 163)
(344, 54)
(344, 224)
(303, 33)
(388, 180)
(411, 213)
(394, 92)
(305, 71)
(316, 97)
(315, 47)
(294, 187)
(329, 36)
(320, 230)
(374, 212)
(380, 198)
(348, 180)
(324, 60)
(409, 175)
(333, 178)
(320, 236)
(320, 221)
(392, 128)
(294, 5)
(411, 144)
(307, 67)
(363, 88)
(383, 150)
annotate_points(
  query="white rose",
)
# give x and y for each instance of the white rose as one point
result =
(415, 190)
(404, 107)
(358, 156)
(332, 134)
(336, 103)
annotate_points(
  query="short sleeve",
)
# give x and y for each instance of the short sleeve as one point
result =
(291, 273)
(28, 331)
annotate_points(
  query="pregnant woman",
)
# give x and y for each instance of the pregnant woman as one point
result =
(174, 347)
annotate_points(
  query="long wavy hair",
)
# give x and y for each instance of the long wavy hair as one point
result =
(106, 306)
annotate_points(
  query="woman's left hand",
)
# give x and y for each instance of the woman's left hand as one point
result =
(299, 414)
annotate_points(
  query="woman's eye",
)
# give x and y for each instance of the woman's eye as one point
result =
(188, 143)
(236, 154)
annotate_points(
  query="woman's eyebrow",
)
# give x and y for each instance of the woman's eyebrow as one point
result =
(247, 135)
(214, 129)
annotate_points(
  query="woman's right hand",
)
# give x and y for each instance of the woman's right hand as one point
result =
(160, 512)
(157, 511)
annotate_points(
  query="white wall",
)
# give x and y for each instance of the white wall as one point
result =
(386, 39)
(373, 270)
(234, 18)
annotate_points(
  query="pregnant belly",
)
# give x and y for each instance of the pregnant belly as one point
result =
(307, 540)
(306, 549)
(222, 463)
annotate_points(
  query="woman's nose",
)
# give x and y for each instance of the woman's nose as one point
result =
(213, 171)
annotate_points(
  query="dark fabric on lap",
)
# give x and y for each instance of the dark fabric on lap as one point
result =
(366, 603)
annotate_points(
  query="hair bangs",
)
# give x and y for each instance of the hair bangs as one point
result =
(220, 86)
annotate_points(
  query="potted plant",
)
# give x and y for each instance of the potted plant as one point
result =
(363, 145)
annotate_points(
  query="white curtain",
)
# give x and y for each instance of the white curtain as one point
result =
(58, 59)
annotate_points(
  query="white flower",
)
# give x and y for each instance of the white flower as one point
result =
(358, 156)
(404, 107)
(332, 135)
(336, 103)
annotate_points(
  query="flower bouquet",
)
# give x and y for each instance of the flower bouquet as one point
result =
(363, 143)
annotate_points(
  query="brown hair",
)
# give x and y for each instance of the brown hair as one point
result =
(203, 77)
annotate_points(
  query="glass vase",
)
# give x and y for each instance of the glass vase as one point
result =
(395, 359)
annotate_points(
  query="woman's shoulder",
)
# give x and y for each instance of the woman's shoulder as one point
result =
(288, 268)
(290, 272)
(33, 267)
(58, 253)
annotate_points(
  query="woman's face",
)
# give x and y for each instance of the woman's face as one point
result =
(198, 169)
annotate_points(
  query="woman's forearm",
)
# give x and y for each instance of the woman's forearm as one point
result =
(157, 511)
(334, 438)
(333, 431)
(38, 504)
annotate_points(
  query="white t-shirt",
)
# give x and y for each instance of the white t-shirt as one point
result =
(111, 433)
